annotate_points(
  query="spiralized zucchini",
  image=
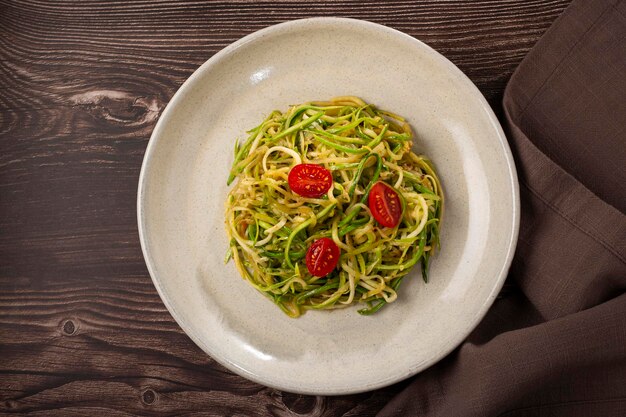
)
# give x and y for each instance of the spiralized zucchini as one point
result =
(270, 227)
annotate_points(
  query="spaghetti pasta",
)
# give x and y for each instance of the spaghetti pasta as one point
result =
(270, 227)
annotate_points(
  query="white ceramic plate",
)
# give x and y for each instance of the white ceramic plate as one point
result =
(183, 186)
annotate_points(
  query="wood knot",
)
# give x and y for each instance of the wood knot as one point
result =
(69, 328)
(119, 107)
(148, 397)
(11, 404)
(303, 404)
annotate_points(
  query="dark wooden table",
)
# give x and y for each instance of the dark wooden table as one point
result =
(82, 84)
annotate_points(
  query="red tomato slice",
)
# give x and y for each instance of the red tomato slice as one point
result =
(385, 205)
(310, 180)
(322, 257)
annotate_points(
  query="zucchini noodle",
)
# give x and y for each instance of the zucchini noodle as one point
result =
(270, 227)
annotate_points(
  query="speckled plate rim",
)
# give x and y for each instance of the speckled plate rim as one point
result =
(359, 386)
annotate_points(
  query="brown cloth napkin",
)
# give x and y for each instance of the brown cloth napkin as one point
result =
(557, 345)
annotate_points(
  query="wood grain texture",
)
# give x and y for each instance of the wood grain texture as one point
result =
(82, 329)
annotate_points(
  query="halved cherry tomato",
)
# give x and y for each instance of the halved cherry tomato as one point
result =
(385, 205)
(322, 257)
(310, 180)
